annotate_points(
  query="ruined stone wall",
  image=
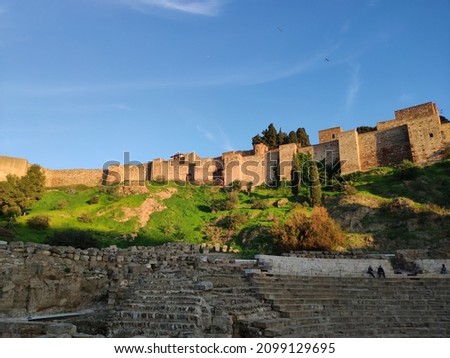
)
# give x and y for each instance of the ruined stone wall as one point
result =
(349, 151)
(426, 139)
(129, 174)
(384, 147)
(367, 144)
(192, 168)
(15, 166)
(424, 131)
(301, 266)
(445, 130)
(328, 151)
(327, 135)
(286, 153)
(232, 162)
(171, 170)
(39, 278)
(428, 109)
(249, 166)
(68, 177)
(157, 169)
(415, 134)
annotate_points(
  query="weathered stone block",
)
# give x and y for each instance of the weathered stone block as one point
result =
(204, 286)
(60, 329)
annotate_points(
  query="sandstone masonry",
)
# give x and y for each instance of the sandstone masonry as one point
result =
(415, 134)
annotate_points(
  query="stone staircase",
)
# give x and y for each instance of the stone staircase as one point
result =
(212, 301)
(354, 306)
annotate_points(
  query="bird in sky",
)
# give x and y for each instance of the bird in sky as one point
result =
(327, 59)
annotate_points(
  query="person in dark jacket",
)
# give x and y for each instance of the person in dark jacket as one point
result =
(370, 271)
(380, 272)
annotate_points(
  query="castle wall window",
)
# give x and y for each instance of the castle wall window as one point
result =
(431, 135)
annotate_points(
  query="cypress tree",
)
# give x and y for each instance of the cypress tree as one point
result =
(292, 137)
(314, 185)
(295, 183)
(270, 136)
(303, 137)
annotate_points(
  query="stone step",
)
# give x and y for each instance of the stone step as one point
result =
(349, 311)
(151, 315)
(274, 295)
(306, 326)
(188, 300)
(159, 307)
(271, 323)
(356, 303)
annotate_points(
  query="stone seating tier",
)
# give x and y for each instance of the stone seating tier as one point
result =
(354, 307)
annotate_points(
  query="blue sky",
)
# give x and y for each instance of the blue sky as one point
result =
(83, 81)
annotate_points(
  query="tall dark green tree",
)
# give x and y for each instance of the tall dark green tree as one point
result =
(270, 136)
(273, 138)
(314, 185)
(292, 137)
(303, 137)
(295, 183)
(18, 194)
(300, 171)
(282, 138)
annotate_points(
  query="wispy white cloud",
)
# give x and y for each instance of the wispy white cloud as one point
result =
(245, 75)
(206, 133)
(195, 7)
(353, 88)
(225, 139)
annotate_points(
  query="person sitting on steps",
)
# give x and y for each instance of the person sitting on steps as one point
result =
(444, 270)
(380, 272)
(370, 271)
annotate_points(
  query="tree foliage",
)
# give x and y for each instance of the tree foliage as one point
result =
(315, 189)
(273, 138)
(300, 171)
(18, 194)
(365, 129)
(301, 231)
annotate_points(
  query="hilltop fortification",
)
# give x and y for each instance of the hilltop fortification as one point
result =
(415, 134)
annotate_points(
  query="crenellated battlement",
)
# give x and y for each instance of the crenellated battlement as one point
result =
(416, 134)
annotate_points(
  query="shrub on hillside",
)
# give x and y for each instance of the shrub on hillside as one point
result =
(407, 170)
(256, 203)
(74, 238)
(94, 200)
(39, 222)
(61, 204)
(229, 203)
(301, 231)
(85, 218)
(233, 220)
(349, 189)
(235, 185)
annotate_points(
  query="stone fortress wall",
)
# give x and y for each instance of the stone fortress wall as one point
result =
(188, 290)
(14, 166)
(415, 134)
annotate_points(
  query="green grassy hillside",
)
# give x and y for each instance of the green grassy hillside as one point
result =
(385, 209)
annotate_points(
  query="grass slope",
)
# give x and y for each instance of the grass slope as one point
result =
(372, 213)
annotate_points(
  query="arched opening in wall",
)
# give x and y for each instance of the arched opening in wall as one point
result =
(333, 136)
